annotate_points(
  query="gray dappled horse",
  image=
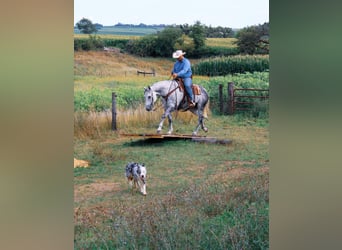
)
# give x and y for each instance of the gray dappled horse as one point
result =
(173, 98)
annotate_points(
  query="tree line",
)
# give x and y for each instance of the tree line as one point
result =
(190, 38)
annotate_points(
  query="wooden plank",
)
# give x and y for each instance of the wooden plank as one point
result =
(161, 136)
(203, 139)
(144, 135)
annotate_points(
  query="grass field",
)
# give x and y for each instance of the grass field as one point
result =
(221, 42)
(199, 196)
(132, 31)
(108, 36)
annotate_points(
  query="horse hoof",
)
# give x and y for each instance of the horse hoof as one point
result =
(169, 133)
(205, 130)
(158, 131)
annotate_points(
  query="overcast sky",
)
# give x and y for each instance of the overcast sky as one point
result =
(225, 13)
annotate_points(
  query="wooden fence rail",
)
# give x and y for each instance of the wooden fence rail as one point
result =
(239, 99)
(146, 73)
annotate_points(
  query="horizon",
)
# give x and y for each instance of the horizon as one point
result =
(224, 13)
(163, 24)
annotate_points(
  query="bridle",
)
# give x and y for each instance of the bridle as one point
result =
(166, 96)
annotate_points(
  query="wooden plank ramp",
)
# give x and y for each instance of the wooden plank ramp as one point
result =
(194, 138)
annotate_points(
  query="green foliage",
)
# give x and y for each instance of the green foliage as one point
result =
(166, 41)
(197, 33)
(128, 97)
(118, 43)
(254, 39)
(96, 99)
(91, 43)
(86, 26)
(218, 51)
(209, 31)
(92, 100)
(219, 32)
(162, 44)
(207, 51)
(142, 47)
(258, 80)
(221, 66)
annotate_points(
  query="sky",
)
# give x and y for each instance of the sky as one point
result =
(225, 13)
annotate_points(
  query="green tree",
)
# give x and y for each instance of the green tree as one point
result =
(197, 33)
(166, 40)
(162, 44)
(253, 39)
(86, 26)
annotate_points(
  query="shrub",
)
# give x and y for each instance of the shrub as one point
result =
(91, 43)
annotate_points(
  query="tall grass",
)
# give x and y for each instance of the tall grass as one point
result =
(213, 215)
(199, 196)
(97, 124)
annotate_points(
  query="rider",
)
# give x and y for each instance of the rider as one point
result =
(182, 69)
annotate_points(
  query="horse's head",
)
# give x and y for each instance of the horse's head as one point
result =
(150, 98)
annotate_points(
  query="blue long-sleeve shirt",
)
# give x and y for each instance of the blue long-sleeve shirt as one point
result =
(182, 68)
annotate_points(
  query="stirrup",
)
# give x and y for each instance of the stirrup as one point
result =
(192, 104)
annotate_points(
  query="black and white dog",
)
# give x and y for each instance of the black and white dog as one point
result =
(136, 174)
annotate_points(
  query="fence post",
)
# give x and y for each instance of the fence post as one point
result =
(221, 98)
(113, 111)
(231, 98)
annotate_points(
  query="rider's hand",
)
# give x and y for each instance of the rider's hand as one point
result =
(174, 75)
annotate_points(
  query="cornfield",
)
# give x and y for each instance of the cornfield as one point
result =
(221, 66)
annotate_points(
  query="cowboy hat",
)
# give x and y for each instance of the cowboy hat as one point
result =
(178, 53)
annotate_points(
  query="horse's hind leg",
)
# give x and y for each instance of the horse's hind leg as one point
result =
(205, 129)
(200, 123)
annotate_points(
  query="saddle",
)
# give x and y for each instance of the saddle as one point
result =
(195, 88)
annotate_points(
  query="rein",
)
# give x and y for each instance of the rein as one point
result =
(170, 92)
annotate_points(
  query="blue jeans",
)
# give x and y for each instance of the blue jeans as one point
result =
(187, 84)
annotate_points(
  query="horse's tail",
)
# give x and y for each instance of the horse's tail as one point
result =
(206, 110)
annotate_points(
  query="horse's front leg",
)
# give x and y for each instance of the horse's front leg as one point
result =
(160, 126)
(169, 117)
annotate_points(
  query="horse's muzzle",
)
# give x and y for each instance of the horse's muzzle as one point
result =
(148, 108)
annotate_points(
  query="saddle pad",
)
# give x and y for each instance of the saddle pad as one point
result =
(196, 89)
